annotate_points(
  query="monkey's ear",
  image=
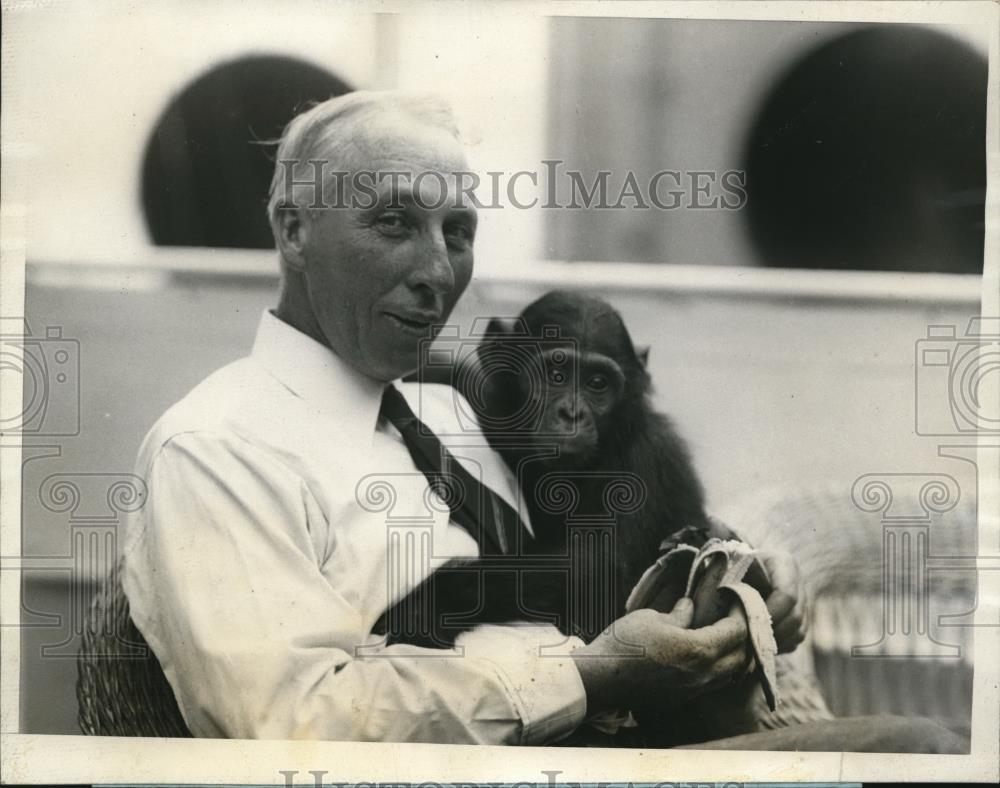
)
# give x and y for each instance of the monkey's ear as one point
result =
(500, 327)
(642, 353)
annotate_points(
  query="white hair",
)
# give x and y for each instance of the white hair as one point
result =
(326, 130)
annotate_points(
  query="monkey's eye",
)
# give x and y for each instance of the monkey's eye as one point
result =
(597, 383)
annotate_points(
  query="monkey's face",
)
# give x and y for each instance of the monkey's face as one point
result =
(576, 402)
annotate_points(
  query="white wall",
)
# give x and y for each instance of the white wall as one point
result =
(84, 84)
(90, 81)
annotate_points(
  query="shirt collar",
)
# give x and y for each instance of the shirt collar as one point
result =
(318, 376)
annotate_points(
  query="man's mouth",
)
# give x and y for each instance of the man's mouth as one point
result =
(415, 323)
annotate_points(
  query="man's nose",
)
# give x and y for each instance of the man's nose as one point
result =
(434, 269)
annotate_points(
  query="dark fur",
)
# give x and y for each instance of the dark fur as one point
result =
(633, 438)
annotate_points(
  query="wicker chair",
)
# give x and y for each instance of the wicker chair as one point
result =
(839, 539)
(122, 690)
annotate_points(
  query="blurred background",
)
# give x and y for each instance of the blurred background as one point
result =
(784, 334)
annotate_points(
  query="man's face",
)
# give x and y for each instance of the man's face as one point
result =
(378, 277)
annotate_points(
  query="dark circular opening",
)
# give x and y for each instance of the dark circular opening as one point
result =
(870, 153)
(205, 175)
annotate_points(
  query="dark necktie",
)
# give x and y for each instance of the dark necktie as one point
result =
(487, 517)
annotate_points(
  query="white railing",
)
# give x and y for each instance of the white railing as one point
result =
(161, 265)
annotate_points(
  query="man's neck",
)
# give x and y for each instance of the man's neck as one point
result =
(291, 310)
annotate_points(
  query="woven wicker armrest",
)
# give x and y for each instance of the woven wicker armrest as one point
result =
(121, 689)
(867, 659)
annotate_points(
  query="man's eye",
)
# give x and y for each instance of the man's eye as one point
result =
(459, 235)
(392, 223)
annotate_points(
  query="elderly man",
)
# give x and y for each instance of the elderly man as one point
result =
(261, 563)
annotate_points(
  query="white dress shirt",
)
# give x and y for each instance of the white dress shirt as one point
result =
(283, 518)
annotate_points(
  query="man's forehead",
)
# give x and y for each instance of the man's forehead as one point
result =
(392, 139)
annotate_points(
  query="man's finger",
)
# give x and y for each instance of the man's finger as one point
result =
(781, 569)
(779, 605)
(682, 613)
(724, 635)
(788, 628)
(789, 634)
(727, 668)
(805, 610)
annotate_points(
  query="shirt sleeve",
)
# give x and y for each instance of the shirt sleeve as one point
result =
(224, 582)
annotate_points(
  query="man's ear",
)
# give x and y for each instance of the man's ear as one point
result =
(642, 353)
(291, 236)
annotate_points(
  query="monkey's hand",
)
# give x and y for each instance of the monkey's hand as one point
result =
(787, 603)
(648, 659)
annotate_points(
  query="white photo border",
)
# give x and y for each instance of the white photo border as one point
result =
(61, 759)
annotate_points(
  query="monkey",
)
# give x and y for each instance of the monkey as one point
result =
(563, 396)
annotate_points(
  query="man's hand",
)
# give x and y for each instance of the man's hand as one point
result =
(787, 604)
(671, 664)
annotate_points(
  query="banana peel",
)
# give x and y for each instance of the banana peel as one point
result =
(716, 575)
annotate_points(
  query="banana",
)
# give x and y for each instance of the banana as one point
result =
(721, 573)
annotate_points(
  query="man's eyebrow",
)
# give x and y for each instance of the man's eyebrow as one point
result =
(401, 193)
(391, 193)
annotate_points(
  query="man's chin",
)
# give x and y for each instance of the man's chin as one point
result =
(396, 356)
(390, 373)
(388, 368)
